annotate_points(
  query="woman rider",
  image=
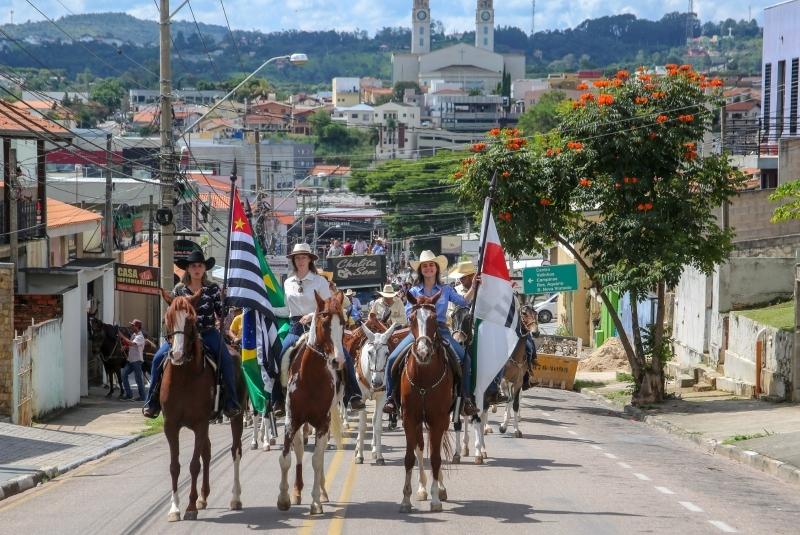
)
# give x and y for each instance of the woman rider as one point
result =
(209, 311)
(300, 308)
(429, 270)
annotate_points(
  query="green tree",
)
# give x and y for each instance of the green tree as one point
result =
(634, 205)
(400, 89)
(542, 116)
(107, 92)
(790, 210)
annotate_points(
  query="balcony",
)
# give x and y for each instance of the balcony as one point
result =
(757, 137)
(28, 221)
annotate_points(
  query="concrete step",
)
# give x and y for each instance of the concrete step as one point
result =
(685, 380)
(705, 374)
(738, 388)
(703, 387)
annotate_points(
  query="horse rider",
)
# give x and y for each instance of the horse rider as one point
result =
(209, 312)
(354, 309)
(300, 308)
(429, 270)
(389, 308)
(464, 272)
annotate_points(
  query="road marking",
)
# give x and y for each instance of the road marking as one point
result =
(722, 526)
(626, 466)
(664, 490)
(610, 455)
(642, 477)
(691, 507)
(308, 524)
(595, 446)
(337, 524)
(571, 432)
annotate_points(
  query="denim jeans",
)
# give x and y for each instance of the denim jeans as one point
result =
(136, 369)
(463, 357)
(213, 341)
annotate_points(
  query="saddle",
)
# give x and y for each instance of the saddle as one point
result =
(292, 353)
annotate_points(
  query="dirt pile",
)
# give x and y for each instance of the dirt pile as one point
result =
(607, 358)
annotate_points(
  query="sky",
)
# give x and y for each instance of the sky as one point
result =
(371, 15)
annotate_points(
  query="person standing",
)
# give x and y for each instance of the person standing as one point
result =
(347, 248)
(378, 247)
(389, 308)
(135, 346)
(360, 247)
(335, 249)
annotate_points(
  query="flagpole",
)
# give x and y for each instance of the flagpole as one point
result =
(487, 213)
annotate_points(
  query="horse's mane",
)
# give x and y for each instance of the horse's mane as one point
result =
(180, 304)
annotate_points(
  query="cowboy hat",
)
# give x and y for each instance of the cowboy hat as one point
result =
(428, 256)
(328, 275)
(349, 292)
(302, 248)
(388, 291)
(462, 269)
(195, 257)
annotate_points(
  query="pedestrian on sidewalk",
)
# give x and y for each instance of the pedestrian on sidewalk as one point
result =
(360, 247)
(135, 346)
(347, 248)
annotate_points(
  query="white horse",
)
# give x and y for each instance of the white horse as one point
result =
(262, 431)
(371, 373)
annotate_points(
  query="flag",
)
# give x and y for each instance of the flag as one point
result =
(495, 311)
(275, 293)
(247, 289)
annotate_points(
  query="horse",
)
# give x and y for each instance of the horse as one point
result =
(311, 397)
(371, 360)
(426, 396)
(515, 369)
(107, 346)
(187, 400)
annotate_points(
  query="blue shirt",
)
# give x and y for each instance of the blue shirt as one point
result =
(449, 295)
(355, 308)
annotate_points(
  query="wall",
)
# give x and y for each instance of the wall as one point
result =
(788, 153)
(6, 334)
(691, 317)
(36, 308)
(73, 328)
(755, 281)
(48, 367)
(750, 215)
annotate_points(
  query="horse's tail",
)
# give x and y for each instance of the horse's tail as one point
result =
(336, 425)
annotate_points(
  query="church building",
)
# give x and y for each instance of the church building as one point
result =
(466, 66)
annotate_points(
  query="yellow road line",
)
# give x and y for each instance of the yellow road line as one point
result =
(337, 524)
(308, 524)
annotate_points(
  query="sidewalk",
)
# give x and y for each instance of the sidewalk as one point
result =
(96, 427)
(763, 435)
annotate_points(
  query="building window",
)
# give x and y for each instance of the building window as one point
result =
(485, 41)
(793, 97)
(767, 96)
(485, 30)
(780, 98)
(421, 41)
(422, 30)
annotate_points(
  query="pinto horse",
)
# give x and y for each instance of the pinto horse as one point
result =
(187, 400)
(311, 398)
(426, 396)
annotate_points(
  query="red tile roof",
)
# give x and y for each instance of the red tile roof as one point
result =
(328, 170)
(60, 214)
(137, 256)
(745, 105)
(22, 123)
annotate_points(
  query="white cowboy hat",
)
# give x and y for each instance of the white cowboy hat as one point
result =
(349, 292)
(462, 269)
(388, 291)
(428, 256)
(302, 248)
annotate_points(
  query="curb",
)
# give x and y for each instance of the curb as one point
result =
(29, 481)
(782, 470)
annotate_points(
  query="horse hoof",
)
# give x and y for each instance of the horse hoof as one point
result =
(253, 446)
(201, 504)
(283, 504)
(380, 461)
(265, 447)
(316, 509)
(422, 495)
(173, 517)
(456, 459)
(323, 497)
(359, 460)
(484, 455)
(236, 505)
(502, 429)
(494, 409)
(436, 508)
(405, 507)
(488, 431)
(190, 515)
(272, 441)
(465, 452)
(478, 459)
(518, 434)
(443, 495)
(297, 499)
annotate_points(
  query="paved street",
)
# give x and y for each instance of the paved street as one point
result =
(578, 469)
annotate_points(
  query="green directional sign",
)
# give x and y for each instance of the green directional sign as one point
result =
(550, 279)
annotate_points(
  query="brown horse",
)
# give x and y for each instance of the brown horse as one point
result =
(187, 400)
(426, 396)
(311, 399)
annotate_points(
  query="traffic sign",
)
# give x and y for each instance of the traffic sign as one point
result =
(550, 279)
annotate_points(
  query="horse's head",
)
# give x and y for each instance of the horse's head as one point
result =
(327, 327)
(376, 350)
(423, 325)
(95, 327)
(181, 324)
(530, 319)
(462, 325)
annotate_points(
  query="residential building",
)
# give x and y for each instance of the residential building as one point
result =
(470, 113)
(138, 98)
(346, 92)
(355, 116)
(397, 130)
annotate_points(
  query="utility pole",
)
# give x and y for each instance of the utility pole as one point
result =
(316, 218)
(150, 233)
(108, 242)
(258, 161)
(303, 218)
(166, 245)
(13, 221)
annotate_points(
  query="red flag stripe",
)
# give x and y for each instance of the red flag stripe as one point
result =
(494, 262)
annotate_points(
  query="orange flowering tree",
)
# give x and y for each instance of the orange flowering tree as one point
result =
(622, 186)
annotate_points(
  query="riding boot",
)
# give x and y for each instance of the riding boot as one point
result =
(152, 407)
(526, 381)
(390, 407)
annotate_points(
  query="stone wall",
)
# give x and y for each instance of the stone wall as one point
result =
(36, 308)
(6, 335)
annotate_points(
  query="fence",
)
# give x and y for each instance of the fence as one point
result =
(40, 372)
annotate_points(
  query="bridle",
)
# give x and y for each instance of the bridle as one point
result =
(466, 320)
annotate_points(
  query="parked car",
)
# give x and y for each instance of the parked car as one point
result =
(546, 310)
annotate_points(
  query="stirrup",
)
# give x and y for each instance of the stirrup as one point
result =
(390, 407)
(470, 409)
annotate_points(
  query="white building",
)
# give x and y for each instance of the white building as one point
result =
(355, 116)
(398, 126)
(471, 67)
(780, 58)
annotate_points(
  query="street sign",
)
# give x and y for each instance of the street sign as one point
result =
(358, 271)
(550, 279)
(136, 279)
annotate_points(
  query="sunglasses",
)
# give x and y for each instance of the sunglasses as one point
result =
(299, 286)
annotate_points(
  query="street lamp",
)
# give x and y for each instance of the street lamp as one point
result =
(294, 59)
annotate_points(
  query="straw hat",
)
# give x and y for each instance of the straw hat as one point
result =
(328, 275)
(302, 248)
(428, 256)
(388, 291)
(462, 269)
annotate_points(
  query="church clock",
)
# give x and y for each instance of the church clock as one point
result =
(485, 16)
(421, 14)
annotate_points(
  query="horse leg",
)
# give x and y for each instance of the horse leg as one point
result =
(298, 467)
(517, 432)
(237, 430)
(507, 412)
(465, 447)
(362, 430)
(256, 430)
(409, 461)
(205, 490)
(377, 430)
(422, 493)
(118, 373)
(435, 446)
(285, 462)
(110, 377)
(306, 432)
(174, 471)
(200, 439)
(318, 463)
(480, 448)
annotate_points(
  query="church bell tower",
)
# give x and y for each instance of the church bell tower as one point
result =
(421, 27)
(484, 25)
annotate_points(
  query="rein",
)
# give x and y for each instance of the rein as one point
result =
(425, 391)
(319, 352)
